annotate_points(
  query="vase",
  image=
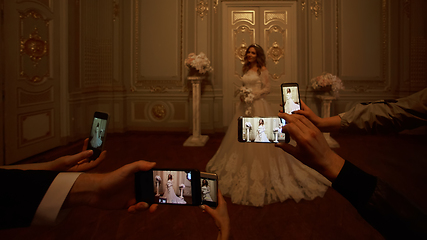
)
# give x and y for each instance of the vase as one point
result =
(194, 72)
(327, 91)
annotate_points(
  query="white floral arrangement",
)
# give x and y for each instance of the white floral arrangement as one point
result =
(199, 62)
(248, 125)
(158, 178)
(327, 81)
(182, 185)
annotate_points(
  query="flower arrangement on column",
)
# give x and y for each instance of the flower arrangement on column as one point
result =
(327, 84)
(197, 65)
(248, 127)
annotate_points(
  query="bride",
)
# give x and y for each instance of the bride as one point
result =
(290, 104)
(261, 136)
(258, 174)
(170, 193)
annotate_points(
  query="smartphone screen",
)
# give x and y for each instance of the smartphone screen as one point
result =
(290, 97)
(98, 134)
(209, 189)
(166, 186)
(261, 130)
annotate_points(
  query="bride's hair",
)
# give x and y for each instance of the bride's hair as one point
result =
(260, 59)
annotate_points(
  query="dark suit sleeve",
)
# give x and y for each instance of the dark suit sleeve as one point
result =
(20, 194)
(394, 216)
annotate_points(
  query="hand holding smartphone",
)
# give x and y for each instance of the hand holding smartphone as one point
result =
(98, 134)
(290, 97)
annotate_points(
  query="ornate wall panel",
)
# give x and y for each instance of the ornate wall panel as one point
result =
(35, 31)
(363, 44)
(158, 45)
(35, 127)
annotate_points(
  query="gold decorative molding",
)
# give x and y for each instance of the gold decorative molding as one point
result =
(158, 111)
(158, 89)
(202, 9)
(275, 52)
(316, 8)
(215, 5)
(34, 47)
(246, 16)
(303, 5)
(241, 51)
(270, 16)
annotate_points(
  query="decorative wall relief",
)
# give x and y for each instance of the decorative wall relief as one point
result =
(316, 8)
(34, 46)
(202, 8)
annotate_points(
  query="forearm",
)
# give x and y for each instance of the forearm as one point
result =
(329, 124)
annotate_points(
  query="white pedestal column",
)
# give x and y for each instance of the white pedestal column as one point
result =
(326, 112)
(196, 140)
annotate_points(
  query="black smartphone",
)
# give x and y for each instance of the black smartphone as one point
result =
(261, 130)
(98, 134)
(209, 189)
(290, 97)
(168, 186)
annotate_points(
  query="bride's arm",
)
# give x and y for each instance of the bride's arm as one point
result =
(265, 85)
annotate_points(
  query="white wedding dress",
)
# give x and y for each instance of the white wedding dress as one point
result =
(259, 173)
(261, 136)
(96, 138)
(206, 193)
(290, 105)
(171, 196)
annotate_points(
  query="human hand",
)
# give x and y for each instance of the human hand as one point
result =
(220, 215)
(79, 162)
(114, 190)
(312, 148)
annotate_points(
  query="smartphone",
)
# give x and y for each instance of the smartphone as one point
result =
(168, 186)
(98, 134)
(209, 189)
(261, 130)
(290, 97)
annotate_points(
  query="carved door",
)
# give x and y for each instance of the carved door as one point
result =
(272, 25)
(31, 84)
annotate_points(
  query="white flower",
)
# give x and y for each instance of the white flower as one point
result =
(248, 124)
(200, 62)
(327, 80)
(158, 178)
(182, 185)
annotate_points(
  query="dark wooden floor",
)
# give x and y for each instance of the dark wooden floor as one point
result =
(399, 160)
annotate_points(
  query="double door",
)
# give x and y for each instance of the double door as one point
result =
(272, 25)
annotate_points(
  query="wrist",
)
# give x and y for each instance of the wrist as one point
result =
(82, 191)
(332, 166)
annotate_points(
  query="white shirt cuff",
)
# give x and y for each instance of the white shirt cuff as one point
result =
(49, 207)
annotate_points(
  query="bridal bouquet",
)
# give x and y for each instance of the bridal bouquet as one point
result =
(327, 82)
(246, 96)
(198, 63)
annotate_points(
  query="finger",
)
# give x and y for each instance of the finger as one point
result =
(153, 208)
(303, 106)
(85, 142)
(208, 209)
(101, 158)
(137, 166)
(79, 157)
(141, 206)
